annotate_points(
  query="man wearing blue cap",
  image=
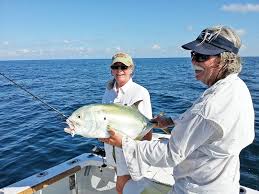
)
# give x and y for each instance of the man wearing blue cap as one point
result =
(207, 138)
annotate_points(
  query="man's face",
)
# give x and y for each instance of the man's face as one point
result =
(206, 70)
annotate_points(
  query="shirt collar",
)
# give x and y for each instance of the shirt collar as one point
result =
(123, 88)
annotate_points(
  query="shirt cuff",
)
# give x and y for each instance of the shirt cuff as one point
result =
(136, 167)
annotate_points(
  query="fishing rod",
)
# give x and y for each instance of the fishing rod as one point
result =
(36, 97)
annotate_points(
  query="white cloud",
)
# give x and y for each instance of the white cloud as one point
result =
(5, 43)
(156, 47)
(243, 47)
(66, 41)
(241, 32)
(189, 28)
(241, 8)
(23, 51)
(75, 50)
(118, 48)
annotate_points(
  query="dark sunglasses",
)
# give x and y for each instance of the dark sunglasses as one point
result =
(121, 67)
(199, 57)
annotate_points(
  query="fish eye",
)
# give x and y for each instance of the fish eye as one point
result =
(78, 116)
(104, 118)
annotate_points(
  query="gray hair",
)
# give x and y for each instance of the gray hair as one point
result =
(231, 61)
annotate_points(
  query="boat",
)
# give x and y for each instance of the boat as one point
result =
(89, 174)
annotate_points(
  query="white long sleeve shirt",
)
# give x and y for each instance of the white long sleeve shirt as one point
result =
(127, 95)
(205, 144)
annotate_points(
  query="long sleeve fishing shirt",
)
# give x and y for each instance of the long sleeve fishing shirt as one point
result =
(127, 95)
(205, 144)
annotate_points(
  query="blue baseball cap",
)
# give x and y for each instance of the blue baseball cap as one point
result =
(211, 43)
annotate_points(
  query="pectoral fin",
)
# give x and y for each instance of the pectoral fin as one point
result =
(108, 127)
(166, 130)
(135, 105)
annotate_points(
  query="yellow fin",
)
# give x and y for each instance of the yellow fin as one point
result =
(166, 130)
(162, 114)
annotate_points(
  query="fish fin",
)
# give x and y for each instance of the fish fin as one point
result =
(135, 104)
(108, 127)
(138, 138)
(162, 113)
(110, 130)
(73, 133)
(166, 130)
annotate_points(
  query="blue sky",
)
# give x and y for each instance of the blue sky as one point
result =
(65, 29)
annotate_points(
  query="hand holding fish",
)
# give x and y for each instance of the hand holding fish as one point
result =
(115, 138)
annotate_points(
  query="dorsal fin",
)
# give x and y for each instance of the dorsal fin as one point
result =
(135, 105)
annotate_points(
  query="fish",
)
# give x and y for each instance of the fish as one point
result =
(94, 121)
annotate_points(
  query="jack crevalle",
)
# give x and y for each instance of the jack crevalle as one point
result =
(93, 121)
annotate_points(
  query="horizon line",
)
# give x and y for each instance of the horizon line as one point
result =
(3, 60)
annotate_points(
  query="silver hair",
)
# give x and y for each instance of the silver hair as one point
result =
(231, 61)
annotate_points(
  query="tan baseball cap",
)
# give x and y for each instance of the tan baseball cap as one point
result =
(122, 58)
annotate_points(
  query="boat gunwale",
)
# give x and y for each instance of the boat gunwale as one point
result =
(52, 175)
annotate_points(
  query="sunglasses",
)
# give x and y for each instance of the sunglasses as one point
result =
(121, 67)
(200, 57)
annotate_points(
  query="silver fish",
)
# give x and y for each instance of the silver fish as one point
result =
(93, 121)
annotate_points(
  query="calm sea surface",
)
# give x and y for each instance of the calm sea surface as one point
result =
(32, 138)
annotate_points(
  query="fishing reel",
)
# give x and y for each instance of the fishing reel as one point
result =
(98, 151)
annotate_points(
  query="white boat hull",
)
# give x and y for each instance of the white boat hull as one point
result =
(87, 174)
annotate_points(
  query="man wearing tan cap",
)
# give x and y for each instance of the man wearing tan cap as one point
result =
(121, 89)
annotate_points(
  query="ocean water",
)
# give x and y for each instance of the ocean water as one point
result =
(32, 137)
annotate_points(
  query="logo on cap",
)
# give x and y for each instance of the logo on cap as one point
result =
(205, 35)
